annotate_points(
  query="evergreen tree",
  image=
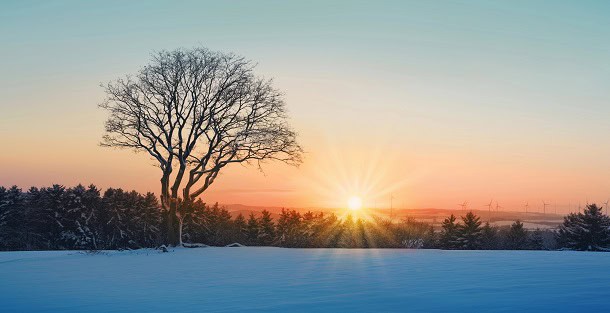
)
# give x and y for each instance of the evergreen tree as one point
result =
(360, 234)
(589, 230)
(253, 230)
(130, 219)
(326, 231)
(147, 220)
(449, 233)
(536, 241)
(288, 229)
(308, 222)
(218, 226)
(194, 223)
(348, 237)
(517, 237)
(266, 231)
(384, 234)
(113, 228)
(12, 219)
(51, 208)
(91, 218)
(78, 218)
(431, 239)
(35, 221)
(469, 233)
(489, 237)
(240, 229)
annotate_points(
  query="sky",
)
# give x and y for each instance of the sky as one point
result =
(427, 103)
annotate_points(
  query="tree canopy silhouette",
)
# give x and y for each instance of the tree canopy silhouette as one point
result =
(195, 112)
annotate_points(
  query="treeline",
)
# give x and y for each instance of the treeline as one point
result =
(81, 217)
(56, 218)
(586, 231)
(469, 234)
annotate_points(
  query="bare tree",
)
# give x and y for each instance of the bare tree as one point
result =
(196, 111)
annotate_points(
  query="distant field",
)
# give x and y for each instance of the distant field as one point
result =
(296, 280)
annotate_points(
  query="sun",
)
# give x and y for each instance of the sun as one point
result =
(354, 203)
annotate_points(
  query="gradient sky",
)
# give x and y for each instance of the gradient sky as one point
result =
(435, 102)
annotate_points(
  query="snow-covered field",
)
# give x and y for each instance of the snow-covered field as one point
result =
(314, 280)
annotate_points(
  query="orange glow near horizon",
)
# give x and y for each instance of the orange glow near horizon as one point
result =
(338, 172)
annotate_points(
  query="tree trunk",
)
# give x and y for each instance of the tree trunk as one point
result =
(169, 203)
(180, 223)
(172, 234)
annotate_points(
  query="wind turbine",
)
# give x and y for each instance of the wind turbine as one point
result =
(544, 204)
(498, 206)
(527, 205)
(489, 210)
(464, 205)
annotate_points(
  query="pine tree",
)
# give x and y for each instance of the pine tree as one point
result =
(283, 228)
(194, 223)
(240, 229)
(517, 236)
(91, 221)
(469, 233)
(535, 240)
(148, 221)
(35, 221)
(430, 240)
(449, 233)
(218, 226)
(360, 234)
(348, 235)
(253, 230)
(123, 219)
(52, 211)
(384, 234)
(332, 228)
(78, 219)
(288, 229)
(323, 231)
(12, 219)
(489, 237)
(266, 233)
(307, 229)
(589, 230)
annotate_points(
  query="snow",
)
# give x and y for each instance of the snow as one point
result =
(297, 280)
(527, 225)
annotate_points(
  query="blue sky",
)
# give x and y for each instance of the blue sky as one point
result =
(503, 99)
